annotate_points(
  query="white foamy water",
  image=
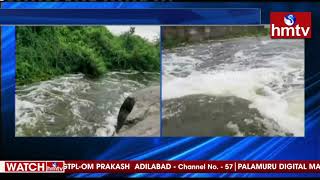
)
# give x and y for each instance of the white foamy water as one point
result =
(73, 105)
(268, 73)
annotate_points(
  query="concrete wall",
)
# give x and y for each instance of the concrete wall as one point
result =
(200, 33)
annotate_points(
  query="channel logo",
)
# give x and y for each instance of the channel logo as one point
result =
(290, 25)
(289, 20)
(55, 166)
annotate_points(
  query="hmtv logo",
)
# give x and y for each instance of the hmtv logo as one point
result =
(55, 166)
(295, 25)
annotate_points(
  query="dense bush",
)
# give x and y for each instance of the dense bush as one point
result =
(45, 52)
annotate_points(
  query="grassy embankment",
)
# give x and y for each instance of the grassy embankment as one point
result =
(176, 41)
(43, 53)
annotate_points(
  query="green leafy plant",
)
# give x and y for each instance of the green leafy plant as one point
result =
(44, 52)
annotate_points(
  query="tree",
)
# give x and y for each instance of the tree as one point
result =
(129, 39)
(132, 30)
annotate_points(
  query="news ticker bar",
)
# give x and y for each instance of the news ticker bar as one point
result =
(159, 166)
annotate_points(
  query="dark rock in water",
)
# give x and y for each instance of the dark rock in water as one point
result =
(204, 115)
(124, 111)
(143, 119)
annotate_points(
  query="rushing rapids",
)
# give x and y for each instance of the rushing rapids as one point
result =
(237, 87)
(73, 105)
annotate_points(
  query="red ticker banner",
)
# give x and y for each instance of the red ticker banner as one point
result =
(159, 166)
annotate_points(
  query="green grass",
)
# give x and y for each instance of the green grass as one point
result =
(43, 53)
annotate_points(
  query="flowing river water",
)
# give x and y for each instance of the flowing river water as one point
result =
(236, 87)
(73, 105)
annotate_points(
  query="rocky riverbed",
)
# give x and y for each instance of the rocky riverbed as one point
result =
(144, 118)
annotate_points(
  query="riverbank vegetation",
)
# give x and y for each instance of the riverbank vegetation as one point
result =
(180, 36)
(44, 52)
